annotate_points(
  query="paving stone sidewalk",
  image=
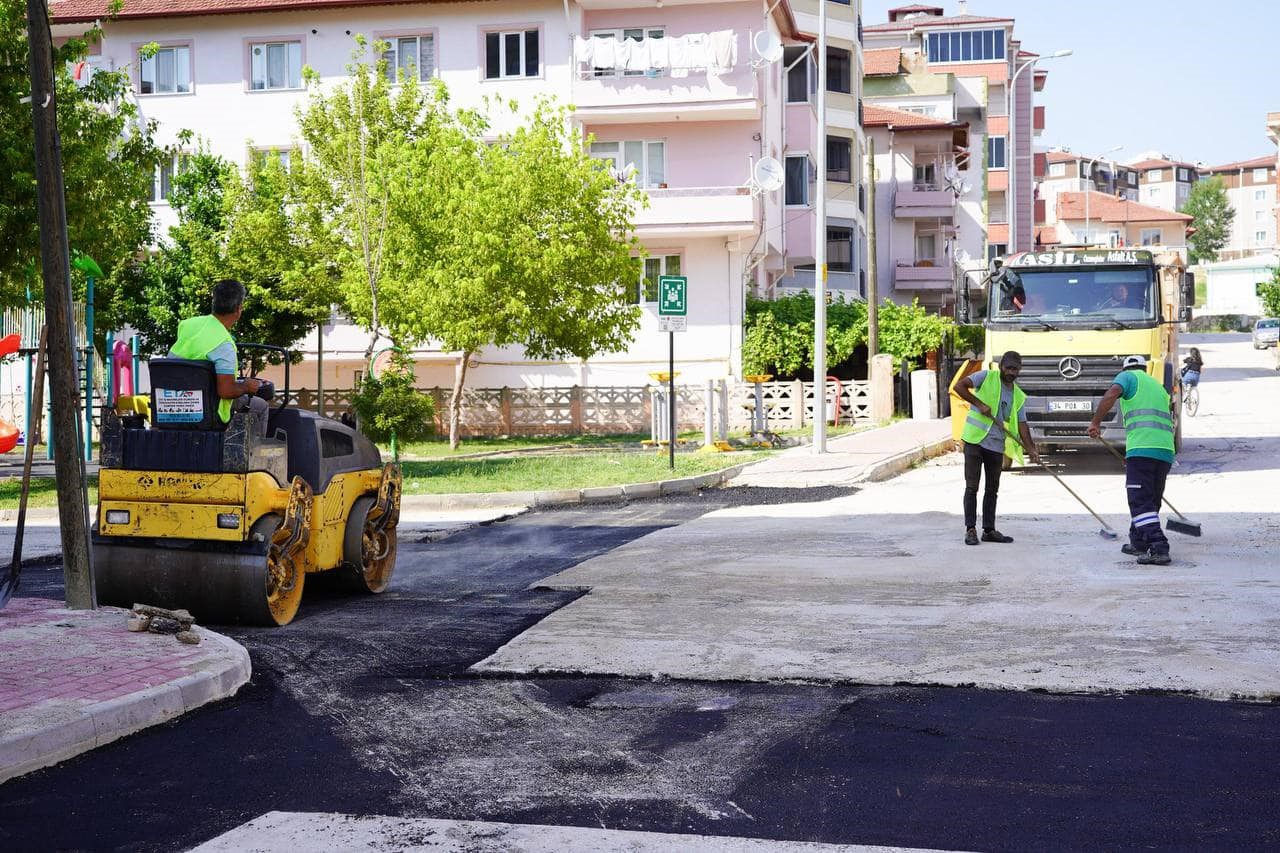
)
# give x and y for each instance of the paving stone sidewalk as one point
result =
(72, 680)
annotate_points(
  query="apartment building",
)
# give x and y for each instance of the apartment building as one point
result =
(969, 69)
(923, 167)
(677, 97)
(1251, 190)
(1273, 133)
(1067, 171)
(1164, 182)
(792, 270)
(1099, 219)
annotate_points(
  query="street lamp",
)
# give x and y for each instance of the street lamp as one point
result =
(1089, 189)
(1013, 149)
(820, 251)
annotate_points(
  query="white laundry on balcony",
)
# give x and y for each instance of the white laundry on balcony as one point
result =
(715, 53)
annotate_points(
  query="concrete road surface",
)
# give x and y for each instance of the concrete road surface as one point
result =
(878, 587)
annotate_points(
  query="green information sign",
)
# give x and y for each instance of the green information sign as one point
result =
(673, 293)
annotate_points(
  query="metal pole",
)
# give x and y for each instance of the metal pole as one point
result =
(820, 251)
(873, 286)
(73, 510)
(88, 369)
(671, 399)
(320, 369)
(709, 417)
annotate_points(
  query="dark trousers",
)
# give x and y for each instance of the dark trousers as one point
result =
(976, 459)
(1144, 483)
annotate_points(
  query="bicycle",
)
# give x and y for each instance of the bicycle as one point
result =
(1190, 394)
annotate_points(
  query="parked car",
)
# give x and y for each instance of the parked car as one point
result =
(1266, 332)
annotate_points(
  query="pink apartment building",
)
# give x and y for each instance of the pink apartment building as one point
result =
(971, 70)
(687, 121)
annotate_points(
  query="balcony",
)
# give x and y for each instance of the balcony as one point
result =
(611, 95)
(698, 212)
(998, 180)
(924, 200)
(843, 281)
(923, 274)
(1037, 120)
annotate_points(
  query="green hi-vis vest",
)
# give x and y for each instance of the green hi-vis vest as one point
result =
(1148, 422)
(977, 425)
(199, 336)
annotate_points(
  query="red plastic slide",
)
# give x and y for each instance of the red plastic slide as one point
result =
(8, 432)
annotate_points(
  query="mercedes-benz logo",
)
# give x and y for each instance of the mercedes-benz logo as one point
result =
(1069, 367)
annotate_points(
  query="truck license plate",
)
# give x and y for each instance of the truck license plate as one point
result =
(1070, 406)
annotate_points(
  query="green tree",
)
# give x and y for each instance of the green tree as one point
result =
(534, 246)
(108, 158)
(778, 334)
(232, 227)
(1269, 292)
(907, 332)
(1212, 215)
(390, 405)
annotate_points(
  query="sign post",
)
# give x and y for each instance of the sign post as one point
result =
(673, 310)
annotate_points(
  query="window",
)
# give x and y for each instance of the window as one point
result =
(1184, 175)
(283, 155)
(1155, 175)
(405, 54)
(801, 82)
(926, 247)
(862, 198)
(1259, 216)
(1259, 176)
(997, 250)
(168, 72)
(839, 249)
(1259, 195)
(1260, 236)
(1057, 170)
(839, 70)
(839, 159)
(275, 65)
(996, 152)
(922, 109)
(643, 160)
(646, 289)
(511, 54)
(796, 190)
(633, 34)
(1152, 236)
(970, 46)
(926, 176)
(162, 184)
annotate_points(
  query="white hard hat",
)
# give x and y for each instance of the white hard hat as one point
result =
(1134, 361)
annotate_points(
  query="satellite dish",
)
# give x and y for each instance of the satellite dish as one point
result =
(769, 174)
(767, 46)
(965, 188)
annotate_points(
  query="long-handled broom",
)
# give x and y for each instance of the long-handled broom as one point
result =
(1181, 524)
(1106, 532)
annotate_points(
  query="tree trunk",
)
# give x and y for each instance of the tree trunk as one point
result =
(455, 404)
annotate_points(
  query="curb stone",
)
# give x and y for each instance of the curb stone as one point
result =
(895, 465)
(104, 722)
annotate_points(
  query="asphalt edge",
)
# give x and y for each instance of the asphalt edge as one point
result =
(103, 722)
(889, 468)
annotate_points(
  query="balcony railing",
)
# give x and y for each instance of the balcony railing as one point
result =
(699, 210)
(923, 200)
(923, 274)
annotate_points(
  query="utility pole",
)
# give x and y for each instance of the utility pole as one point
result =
(820, 251)
(873, 290)
(73, 505)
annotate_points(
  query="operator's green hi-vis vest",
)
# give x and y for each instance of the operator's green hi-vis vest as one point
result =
(1148, 422)
(977, 425)
(199, 336)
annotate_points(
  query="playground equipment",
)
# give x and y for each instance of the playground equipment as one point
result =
(9, 433)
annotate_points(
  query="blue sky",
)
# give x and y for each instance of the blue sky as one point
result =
(1192, 79)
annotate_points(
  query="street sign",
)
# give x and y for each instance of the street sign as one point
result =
(673, 296)
(673, 324)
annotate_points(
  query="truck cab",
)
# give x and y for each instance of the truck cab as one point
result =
(1074, 315)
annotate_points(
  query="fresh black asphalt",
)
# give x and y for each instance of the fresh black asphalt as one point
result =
(365, 706)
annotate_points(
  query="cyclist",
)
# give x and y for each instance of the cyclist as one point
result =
(1191, 367)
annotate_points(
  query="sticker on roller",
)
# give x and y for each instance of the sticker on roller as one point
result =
(179, 407)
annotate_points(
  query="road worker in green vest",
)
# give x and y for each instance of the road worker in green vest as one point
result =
(1148, 454)
(208, 337)
(995, 414)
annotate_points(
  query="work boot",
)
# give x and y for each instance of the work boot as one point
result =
(970, 536)
(1155, 558)
(1126, 548)
(994, 535)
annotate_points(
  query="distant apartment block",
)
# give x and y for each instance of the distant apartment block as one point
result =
(1099, 219)
(1163, 182)
(1070, 172)
(1273, 133)
(955, 70)
(1251, 189)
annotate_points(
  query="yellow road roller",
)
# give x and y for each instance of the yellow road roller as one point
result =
(226, 523)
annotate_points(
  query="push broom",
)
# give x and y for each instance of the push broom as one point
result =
(1181, 524)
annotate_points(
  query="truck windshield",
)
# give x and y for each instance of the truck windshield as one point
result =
(1122, 295)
